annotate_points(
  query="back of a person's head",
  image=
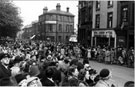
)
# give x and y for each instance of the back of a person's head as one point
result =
(81, 74)
(71, 69)
(85, 61)
(49, 72)
(92, 72)
(18, 59)
(80, 66)
(74, 62)
(66, 60)
(129, 84)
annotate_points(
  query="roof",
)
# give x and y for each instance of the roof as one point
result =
(60, 12)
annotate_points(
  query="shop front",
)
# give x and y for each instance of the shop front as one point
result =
(103, 38)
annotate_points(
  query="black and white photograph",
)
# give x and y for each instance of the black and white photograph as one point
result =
(83, 43)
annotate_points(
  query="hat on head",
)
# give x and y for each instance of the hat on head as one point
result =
(3, 55)
(105, 73)
(18, 59)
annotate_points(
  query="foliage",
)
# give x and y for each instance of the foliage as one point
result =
(10, 22)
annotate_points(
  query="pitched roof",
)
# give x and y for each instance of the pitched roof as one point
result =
(60, 12)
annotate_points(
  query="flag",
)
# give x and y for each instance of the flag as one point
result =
(32, 37)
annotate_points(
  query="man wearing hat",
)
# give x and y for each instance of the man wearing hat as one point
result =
(4, 62)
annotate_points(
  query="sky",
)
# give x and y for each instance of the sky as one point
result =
(31, 9)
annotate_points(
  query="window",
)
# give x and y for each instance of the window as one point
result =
(110, 4)
(97, 5)
(71, 28)
(110, 20)
(60, 28)
(67, 27)
(50, 27)
(97, 21)
(61, 18)
(67, 38)
(59, 37)
(47, 17)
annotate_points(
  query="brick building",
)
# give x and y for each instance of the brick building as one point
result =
(56, 24)
(112, 23)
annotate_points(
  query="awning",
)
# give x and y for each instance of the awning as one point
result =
(73, 39)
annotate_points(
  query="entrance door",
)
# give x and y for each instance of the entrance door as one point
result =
(102, 41)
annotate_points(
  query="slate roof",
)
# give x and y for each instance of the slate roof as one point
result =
(60, 12)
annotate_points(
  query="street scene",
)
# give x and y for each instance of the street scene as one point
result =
(67, 43)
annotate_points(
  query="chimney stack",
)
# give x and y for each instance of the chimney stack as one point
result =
(67, 9)
(58, 6)
(45, 10)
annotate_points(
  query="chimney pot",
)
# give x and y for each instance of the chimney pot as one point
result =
(58, 6)
(67, 9)
(45, 10)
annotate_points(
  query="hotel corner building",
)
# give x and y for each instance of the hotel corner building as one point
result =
(56, 24)
(112, 23)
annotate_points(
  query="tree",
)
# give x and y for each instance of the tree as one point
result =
(10, 22)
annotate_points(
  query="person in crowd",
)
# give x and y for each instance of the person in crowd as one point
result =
(16, 68)
(112, 56)
(89, 53)
(73, 76)
(80, 66)
(91, 81)
(31, 79)
(63, 65)
(74, 62)
(130, 57)
(23, 72)
(4, 63)
(119, 56)
(49, 77)
(129, 84)
(83, 76)
(107, 56)
(105, 75)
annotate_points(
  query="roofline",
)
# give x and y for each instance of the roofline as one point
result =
(58, 13)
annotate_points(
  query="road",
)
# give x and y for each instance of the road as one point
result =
(120, 74)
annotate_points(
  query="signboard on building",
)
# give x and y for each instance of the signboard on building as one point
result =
(103, 33)
(50, 22)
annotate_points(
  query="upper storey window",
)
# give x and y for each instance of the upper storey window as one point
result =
(97, 5)
(110, 4)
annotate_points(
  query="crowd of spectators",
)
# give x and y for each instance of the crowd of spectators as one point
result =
(43, 63)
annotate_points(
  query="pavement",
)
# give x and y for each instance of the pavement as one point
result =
(120, 74)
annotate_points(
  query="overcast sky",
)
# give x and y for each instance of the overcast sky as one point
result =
(30, 10)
